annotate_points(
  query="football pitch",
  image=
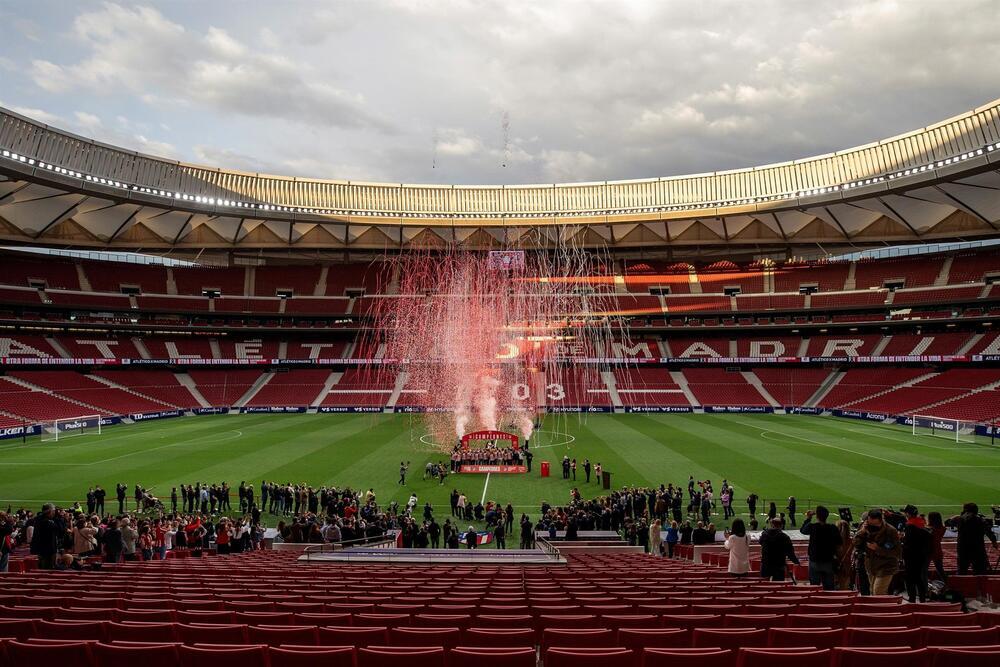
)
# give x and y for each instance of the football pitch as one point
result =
(838, 462)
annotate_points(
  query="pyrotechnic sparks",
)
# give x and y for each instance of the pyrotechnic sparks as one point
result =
(485, 339)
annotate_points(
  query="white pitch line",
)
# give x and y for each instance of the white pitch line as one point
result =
(485, 486)
(824, 444)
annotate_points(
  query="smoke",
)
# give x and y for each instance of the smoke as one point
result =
(526, 424)
(487, 404)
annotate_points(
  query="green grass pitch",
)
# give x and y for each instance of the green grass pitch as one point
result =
(817, 459)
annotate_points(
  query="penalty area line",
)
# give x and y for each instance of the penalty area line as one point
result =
(485, 486)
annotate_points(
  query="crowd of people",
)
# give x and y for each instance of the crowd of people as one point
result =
(491, 454)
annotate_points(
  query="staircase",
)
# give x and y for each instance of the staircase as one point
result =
(851, 280)
(881, 345)
(320, 288)
(752, 378)
(142, 349)
(82, 277)
(57, 346)
(252, 391)
(616, 400)
(50, 392)
(969, 344)
(331, 381)
(114, 385)
(829, 383)
(397, 389)
(189, 383)
(942, 276)
(693, 283)
(681, 381)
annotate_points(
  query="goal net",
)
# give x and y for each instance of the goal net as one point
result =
(58, 429)
(958, 430)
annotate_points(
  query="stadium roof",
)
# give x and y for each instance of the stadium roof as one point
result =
(938, 183)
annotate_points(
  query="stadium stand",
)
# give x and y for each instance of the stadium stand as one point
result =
(648, 387)
(718, 386)
(292, 388)
(791, 386)
(911, 271)
(224, 388)
(300, 280)
(195, 280)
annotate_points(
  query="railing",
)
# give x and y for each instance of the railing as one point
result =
(375, 542)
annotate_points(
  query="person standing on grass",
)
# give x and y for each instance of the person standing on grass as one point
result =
(775, 549)
(738, 545)
(99, 495)
(500, 535)
(882, 551)
(824, 541)
(586, 469)
(121, 497)
(917, 547)
(403, 467)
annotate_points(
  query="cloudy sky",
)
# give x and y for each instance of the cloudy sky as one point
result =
(439, 91)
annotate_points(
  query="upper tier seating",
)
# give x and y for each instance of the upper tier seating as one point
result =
(251, 348)
(109, 277)
(699, 347)
(928, 344)
(374, 278)
(843, 345)
(640, 275)
(54, 272)
(98, 347)
(197, 348)
(914, 271)
(26, 346)
(849, 299)
(193, 280)
(679, 305)
(301, 280)
(174, 304)
(826, 277)
(748, 281)
(770, 302)
(93, 300)
(973, 266)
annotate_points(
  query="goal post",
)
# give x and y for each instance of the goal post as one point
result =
(959, 430)
(54, 430)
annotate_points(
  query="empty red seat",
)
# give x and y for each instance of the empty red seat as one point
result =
(81, 630)
(133, 655)
(955, 656)
(616, 621)
(504, 620)
(884, 637)
(733, 638)
(442, 620)
(207, 655)
(795, 637)
(17, 628)
(382, 620)
(500, 637)
(264, 617)
(446, 637)
(490, 657)
(352, 636)
(893, 656)
(672, 657)
(883, 620)
(587, 657)
(951, 636)
(310, 656)
(320, 619)
(692, 621)
(400, 656)
(942, 619)
(753, 620)
(583, 637)
(205, 616)
(278, 635)
(640, 638)
(817, 620)
(568, 621)
(63, 654)
(211, 633)
(145, 615)
(142, 632)
(776, 657)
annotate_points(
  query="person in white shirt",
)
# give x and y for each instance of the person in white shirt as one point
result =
(738, 544)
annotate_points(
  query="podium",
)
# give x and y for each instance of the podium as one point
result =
(605, 480)
(544, 468)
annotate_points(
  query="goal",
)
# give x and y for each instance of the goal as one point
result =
(58, 429)
(958, 430)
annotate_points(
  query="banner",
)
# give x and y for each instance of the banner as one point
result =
(146, 416)
(419, 408)
(558, 409)
(211, 411)
(855, 414)
(496, 469)
(348, 408)
(19, 431)
(658, 408)
(801, 410)
(481, 538)
(270, 409)
(757, 409)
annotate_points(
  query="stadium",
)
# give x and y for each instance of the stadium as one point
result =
(335, 407)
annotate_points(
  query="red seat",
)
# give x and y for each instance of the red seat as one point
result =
(81, 630)
(794, 637)
(894, 656)
(950, 636)
(146, 655)
(753, 620)
(86, 614)
(732, 638)
(489, 657)
(212, 633)
(209, 655)
(942, 619)
(583, 637)
(146, 615)
(692, 621)
(863, 637)
(955, 656)
(880, 620)
(568, 621)
(320, 619)
(817, 620)
(351, 636)
(205, 616)
(499, 637)
(382, 620)
(17, 628)
(310, 656)
(442, 621)
(278, 635)
(966, 584)
(68, 654)
(505, 620)
(446, 637)
(400, 656)
(584, 657)
(702, 657)
(776, 657)
(264, 617)
(616, 621)
(142, 632)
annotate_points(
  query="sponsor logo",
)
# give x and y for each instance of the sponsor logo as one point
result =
(257, 409)
(72, 426)
(800, 410)
(349, 408)
(141, 416)
(658, 408)
(500, 469)
(211, 411)
(738, 408)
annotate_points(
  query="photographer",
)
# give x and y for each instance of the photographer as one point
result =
(882, 549)
(972, 529)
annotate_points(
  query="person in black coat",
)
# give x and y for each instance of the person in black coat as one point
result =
(973, 528)
(775, 548)
(121, 498)
(114, 544)
(917, 547)
(824, 541)
(471, 538)
(46, 538)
